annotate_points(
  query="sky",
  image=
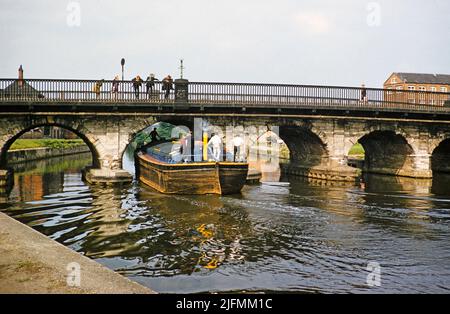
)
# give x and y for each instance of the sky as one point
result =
(318, 42)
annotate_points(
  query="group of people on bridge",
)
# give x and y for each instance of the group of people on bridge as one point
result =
(137, 82)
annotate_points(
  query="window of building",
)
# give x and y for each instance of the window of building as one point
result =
(422, 95)
(411, 96)
(393, 80)
(432, 88)
(443, 89)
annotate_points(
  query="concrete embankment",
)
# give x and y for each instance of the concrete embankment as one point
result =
(28, 154)
(33, 263)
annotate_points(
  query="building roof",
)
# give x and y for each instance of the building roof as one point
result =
(421, 78)
(21, 90)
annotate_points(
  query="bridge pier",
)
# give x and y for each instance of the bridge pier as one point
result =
(414, 169)
(106, 176)
(341, 173)
(422, 166)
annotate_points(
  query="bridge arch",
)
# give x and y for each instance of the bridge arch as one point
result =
(306, 147)
(440, 157)
(18, 131)
(143, 127)
(387, 152)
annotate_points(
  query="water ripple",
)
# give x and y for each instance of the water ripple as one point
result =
(294, 237)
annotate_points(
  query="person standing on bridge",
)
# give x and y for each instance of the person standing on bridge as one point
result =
(363, 93)
(115, 87)
(137, 83)
(97, 88)
(150, 84)
(167, 86)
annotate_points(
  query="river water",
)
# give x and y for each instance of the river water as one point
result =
(295, 236)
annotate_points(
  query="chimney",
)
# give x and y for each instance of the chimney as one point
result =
(20, 76)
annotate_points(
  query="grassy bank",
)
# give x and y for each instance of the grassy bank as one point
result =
(46, 142)
(357, 149)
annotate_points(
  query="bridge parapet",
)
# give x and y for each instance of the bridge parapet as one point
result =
(62, 91)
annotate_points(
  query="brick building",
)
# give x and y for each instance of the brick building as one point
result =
(413, 88)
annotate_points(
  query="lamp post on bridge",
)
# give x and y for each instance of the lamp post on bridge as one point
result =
(122, 63)
(181, 89)
(181, 68)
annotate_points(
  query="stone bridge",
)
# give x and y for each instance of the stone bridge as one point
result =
(404, 133)
(319, 146)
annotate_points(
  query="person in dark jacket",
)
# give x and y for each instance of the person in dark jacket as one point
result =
(137, 83)
(150, 84)
(154, 135)
(363, 93)
(167, 86)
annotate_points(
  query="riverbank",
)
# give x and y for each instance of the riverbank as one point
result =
(38, 153)
(30, 262)
(24, 143)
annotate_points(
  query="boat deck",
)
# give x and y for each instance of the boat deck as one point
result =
(204, 177)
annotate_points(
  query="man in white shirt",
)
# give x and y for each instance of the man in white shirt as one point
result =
(215, 142)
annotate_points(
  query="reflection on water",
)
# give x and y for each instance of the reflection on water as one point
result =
(298, 235)
(269, 173)
(35, 180)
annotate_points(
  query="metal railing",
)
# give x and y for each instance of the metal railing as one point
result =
(80, 91)
(227, 94)
(316, 96)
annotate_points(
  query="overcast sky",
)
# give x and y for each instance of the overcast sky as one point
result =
(324, 42)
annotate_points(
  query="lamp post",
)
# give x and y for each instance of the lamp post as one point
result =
(122, 63)
(181, 68)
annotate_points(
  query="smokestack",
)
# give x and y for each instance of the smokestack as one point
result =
(20, 76)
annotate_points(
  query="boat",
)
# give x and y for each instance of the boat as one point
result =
(157, 167)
